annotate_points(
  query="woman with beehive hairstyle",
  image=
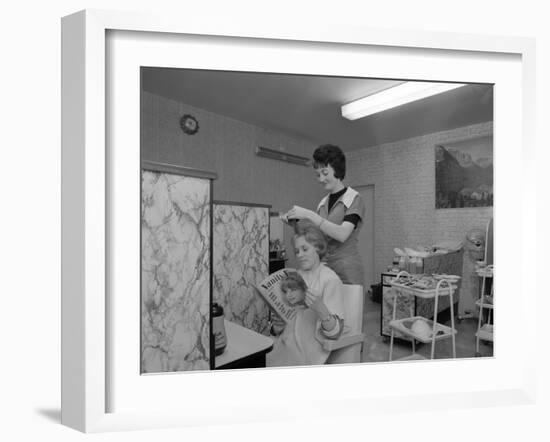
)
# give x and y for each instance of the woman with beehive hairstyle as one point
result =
(339, 215)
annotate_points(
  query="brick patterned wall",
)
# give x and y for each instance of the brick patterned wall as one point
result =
(403, 175)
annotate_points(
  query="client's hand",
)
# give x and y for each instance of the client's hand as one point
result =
(277, 325)
(314, 301)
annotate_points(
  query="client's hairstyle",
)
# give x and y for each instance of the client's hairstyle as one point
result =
(293, 281)
(330, 155)
(312, 235)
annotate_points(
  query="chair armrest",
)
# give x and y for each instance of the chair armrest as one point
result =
(343, 341)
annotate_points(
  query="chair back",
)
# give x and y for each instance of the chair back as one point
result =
(353, 306)
(347, 348)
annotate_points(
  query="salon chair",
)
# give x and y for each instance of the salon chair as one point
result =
(347, 349)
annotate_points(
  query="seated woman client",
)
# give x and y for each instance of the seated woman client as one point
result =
(319, 312)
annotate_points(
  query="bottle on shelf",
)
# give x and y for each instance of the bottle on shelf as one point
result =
(402, 263)
(218, 329)
(411, 266)
(419, 265)
(395, 262)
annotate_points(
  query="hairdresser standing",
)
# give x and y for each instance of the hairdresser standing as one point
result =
(339, 215)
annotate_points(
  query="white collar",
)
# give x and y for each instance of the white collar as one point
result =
(347, 198)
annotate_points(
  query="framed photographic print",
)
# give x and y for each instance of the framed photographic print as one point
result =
(180, 141)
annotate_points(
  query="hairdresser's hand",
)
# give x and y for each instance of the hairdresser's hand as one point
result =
(298, 212)
(284, 217)
(315, 302)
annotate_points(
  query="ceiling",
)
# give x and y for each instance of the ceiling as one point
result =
(309, 106)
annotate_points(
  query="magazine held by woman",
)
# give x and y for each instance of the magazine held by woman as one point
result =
(283, 291)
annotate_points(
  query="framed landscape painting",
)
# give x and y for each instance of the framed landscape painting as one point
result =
(464, 173)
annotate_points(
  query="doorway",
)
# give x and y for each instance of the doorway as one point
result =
(366, 235)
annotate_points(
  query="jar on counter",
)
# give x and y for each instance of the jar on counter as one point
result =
(218, 329)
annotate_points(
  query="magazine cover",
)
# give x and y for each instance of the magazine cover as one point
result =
(274, 290)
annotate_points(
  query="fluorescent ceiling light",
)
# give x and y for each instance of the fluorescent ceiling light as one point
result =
(393, 97)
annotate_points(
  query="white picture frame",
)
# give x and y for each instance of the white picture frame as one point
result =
(86, 212)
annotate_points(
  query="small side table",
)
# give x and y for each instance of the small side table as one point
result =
(245, 348)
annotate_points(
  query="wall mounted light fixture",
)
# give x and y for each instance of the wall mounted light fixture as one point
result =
(282, 156)
(395, 96)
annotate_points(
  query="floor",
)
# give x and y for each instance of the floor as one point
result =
(376, 348)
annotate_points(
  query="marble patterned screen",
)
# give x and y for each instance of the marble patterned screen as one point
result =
(241, 261)
(175, 274)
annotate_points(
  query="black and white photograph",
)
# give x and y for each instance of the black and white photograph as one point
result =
(267, 221)
(296, 220)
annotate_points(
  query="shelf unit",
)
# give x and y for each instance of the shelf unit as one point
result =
(440, 263)
(439, 331)
(385, 329)
(485, 331)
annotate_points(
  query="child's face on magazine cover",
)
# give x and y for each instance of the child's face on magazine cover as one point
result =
(295, 296)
